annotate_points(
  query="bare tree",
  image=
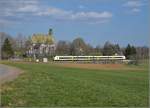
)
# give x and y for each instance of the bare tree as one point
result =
(108, 49)
(20, 45)
(78, 47)
(142, 52)
(63, 48)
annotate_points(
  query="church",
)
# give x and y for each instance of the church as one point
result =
(42, 45)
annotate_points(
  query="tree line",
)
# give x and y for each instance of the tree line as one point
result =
(18, 46)
(79, 47)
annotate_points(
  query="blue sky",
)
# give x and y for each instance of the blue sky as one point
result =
(96, 21)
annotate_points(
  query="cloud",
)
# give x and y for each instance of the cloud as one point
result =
(28, 8)
(21, 10)
(5, 23)
(133, 3)
(81, 7)
(13, 7)
(51, 11)
(14, 11)
(75, 16)
(134, 6)
(136, 10)
(91, 15)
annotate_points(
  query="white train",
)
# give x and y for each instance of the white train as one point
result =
(88, 58)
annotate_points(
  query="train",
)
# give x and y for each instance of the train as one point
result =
(88, 58)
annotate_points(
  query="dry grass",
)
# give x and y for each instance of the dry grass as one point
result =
(98, 66)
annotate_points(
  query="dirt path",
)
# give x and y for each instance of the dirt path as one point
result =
(98, 66)
(8, 73)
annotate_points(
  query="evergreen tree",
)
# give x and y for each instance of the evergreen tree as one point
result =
(130, 52)
(7, 50)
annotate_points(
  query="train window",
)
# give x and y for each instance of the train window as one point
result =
(82, 57)
(65, 57)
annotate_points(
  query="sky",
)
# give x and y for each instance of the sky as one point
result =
(96, 21)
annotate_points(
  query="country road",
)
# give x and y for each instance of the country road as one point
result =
(8, 73)
(3, 70)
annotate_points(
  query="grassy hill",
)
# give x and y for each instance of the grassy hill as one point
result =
(54, 85)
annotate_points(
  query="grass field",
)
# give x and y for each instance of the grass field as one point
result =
(55, 85)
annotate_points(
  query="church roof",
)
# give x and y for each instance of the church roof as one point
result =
(42, 39)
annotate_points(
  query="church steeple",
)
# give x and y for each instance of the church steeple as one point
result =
(50, 32)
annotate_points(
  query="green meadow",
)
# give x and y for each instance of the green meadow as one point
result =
(49, 85)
